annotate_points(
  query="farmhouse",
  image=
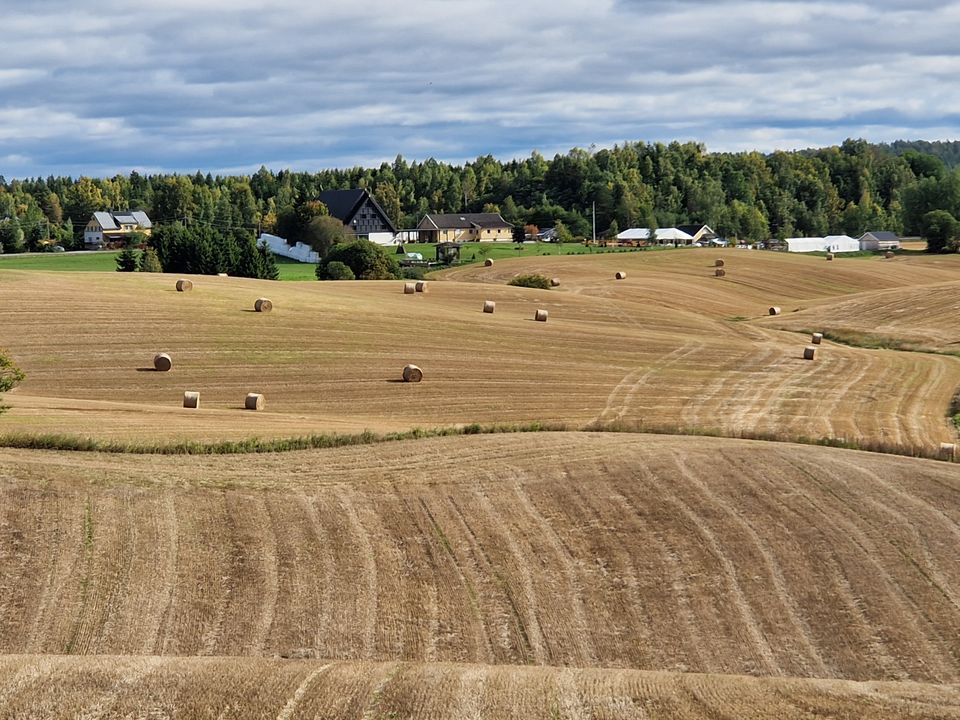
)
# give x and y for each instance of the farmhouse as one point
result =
(360, 213)
(879, 240)
(110, 228)
(465, 227)
(700, 233)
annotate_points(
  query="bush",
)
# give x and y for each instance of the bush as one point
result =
(149, 262)
(531, 281)
(413, 273)
(10, 375)
(336, 270)
(367, 260)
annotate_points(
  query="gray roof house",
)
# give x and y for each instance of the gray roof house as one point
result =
(105, 228)
(879, 240)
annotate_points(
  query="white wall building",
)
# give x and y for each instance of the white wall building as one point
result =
(830, 243)
(662, 236)
(299, 252)
(841, 243)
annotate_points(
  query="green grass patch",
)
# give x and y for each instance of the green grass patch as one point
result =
(98, 261)
(294, 270)
(870, 341)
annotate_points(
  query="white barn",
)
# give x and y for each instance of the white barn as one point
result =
(841, 243)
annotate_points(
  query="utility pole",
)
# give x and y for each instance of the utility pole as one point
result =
(594, 222)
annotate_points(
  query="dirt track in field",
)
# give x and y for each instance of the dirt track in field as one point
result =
(669, 347)
(246, 688)
(595, 550)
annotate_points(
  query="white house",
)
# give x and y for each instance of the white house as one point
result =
(106, 228)
(279, 246)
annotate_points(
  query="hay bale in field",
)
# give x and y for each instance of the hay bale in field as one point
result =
(489, 306)
(263, 305)
(411, 373)
(720, 272)
(718, 262)
(948, 451)
(191, 399)
(889, 254)
(421, 286)
(829, 256)
(809, 352)
(162, 362)
(409, 288)
(253, 401)
(774, 310)
(621, 275)
(554, 282)
(184, 285)
(488, 263)
(816, 338)
(541, 315)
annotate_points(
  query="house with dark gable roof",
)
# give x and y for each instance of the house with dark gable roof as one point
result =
(465, 227)
(113, 228)
(359, 212)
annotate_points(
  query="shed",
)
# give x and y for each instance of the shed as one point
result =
(448, 252)
(879, 240)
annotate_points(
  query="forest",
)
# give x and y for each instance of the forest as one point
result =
(912, 188)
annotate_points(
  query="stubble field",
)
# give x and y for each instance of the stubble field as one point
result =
(544, 575)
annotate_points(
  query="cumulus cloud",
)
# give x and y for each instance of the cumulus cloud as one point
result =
(97, 88)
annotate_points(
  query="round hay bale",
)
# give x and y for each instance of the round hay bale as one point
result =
(263, 305)
(720, 272)
(184, 285)
(488, 263)
(888, 254)
(718, 262)
(411, 373)
(816, 338)
(191, 399)
(162, 362)
(809, 352)
(774, 310)
(621, 275)
(409, 288)
(489, 306)
(541, 315)
(421, 286)
(948, 451)
(253, 401)
(829, 256)
(554, 282)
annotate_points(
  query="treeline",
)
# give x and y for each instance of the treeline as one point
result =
(749, 196)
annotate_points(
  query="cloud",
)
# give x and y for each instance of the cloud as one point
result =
(96, 88)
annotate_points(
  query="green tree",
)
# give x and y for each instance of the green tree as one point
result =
(367, 261)
(322, 233)
(128, 260)
(941, 230)
(149, 262)
(563, 233)
(10, 375)
(336, 270)
(11, 236)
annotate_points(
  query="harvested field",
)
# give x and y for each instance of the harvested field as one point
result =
(625, 551)
(246, 688)
(669, 348)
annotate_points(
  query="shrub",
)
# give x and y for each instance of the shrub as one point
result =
(10, 375)
(413, 273)
(540, 282)
(149, 262)
(336, 270)
(367, 260)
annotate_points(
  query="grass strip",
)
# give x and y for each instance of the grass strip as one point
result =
(71, 443)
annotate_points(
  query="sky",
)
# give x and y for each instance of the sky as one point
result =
(225, 86)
